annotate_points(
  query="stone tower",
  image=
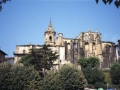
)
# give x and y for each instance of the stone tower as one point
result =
(49, 35)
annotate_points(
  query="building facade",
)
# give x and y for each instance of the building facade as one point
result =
(71, 49)
(117, 46)
(2, 56)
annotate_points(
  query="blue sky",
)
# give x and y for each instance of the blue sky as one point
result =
(24, 21)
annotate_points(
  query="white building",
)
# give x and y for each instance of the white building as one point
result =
(118, 50)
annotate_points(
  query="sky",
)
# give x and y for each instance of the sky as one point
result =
(25, 21)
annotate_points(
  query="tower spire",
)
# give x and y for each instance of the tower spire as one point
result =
(50, 19)
(50, 24)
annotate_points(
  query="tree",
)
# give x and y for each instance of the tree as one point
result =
(115, 73)
(67, 78)
(91, 61)
(93, 75)
(116, 2)
(91, 71)
(83, 62)
(51, 81)
(4, 74)
(108, 78)
(42, 58)
(18, 77)
(3, 2)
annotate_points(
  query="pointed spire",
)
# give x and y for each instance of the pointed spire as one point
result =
(50, 24)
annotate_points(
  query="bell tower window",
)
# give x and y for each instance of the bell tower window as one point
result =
(50, 38)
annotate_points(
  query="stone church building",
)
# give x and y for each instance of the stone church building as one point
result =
(71, 49)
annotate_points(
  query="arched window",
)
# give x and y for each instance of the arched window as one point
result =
(91, 37)
(50, 38)
(86, 38)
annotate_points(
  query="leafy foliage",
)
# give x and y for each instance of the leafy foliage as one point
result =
(99, 85)
(40, 58)
(18, 77)
(67, 78)
(116, 2)
(108, 78)
(1, 2)
(90, 70)
(91, 61)
(51, 81)
(83, 62)
(115, 73)
(93, 75)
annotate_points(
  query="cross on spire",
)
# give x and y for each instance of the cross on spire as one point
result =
(50, 24)
(50, 19)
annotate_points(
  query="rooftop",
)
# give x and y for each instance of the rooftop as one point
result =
(3, 52)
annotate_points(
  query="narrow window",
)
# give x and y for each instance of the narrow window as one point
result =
(86, 38)
(50, 38)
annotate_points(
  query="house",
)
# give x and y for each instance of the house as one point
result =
(2, 56)
(117, 47)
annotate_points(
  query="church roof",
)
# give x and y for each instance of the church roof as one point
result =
(108, 42)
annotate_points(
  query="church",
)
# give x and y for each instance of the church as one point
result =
(71, 49)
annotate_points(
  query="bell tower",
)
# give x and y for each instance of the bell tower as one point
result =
(49, 35)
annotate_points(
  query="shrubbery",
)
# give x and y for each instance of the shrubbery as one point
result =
(18, 77)
(67, 78)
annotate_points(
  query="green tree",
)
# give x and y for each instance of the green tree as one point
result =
(83, 62)
(91, 71)
(116, 2)
(42, 58)
(67, 78)
(115, 73)
(51, 81)
(3, 2)
(108, 78)
(91, 61)
(18, 77)
(93, 75)
(4, 74)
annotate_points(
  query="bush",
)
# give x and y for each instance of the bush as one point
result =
(18, 77)
(93, 75)
(67, 78)
(99, 85)
(115, 73)
(108, 78)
